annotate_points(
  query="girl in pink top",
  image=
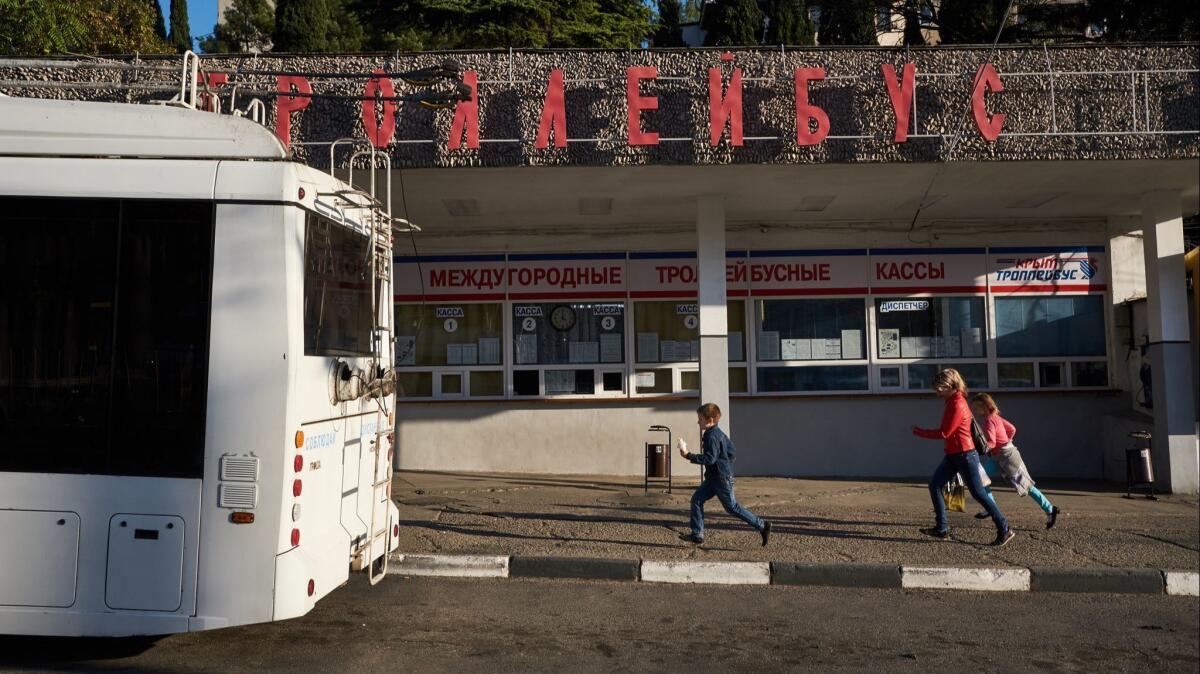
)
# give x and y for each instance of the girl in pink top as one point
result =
(1003, 454)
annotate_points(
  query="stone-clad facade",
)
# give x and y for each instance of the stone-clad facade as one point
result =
(1112, 94)
(1109, 103)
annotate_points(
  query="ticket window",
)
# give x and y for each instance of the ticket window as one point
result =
(810, 345)
(1045, 342)
(568, 349)
(667, 347)
(451, 350)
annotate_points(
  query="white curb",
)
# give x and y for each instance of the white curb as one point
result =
(941, 578)
(1183, 583)
(718, 573)
(463, 566)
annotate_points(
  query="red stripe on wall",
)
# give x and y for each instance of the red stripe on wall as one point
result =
(568, 296)
(447, 298)
(932, 290)
(775, 292)
(1049, 288)
(668, 294)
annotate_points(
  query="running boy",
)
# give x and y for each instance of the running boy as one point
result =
(1003, 453)
(717, 458)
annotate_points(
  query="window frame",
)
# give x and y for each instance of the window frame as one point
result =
(437, 371)
(755, 363)
(598, 369)
(678, 368)
(903, 363)
(1068, 376)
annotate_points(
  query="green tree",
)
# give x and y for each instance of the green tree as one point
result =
(491, 24)
(301, 26)
(346, 34)
(1145, 20)
(160, 24)
(668, 32)
(181, 36)
(788, 23)
(40, 27)
(246, 26)
(969, 21)
(732, 23)
(848, 22)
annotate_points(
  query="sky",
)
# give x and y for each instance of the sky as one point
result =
(202, 16)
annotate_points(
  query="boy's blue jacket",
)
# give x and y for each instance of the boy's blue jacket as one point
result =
(717, 454)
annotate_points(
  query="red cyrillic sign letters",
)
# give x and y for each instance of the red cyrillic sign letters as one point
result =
(638, 103)
(286, 105)
(901, 94)
(725, 109)
(379, 132)
(986, 80)
(466, 115)
(554, 114)
(807, 115)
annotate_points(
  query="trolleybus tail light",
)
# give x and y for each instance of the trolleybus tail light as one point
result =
(300, 194)
(299, 439)
(295, 537)
(241, 518)
(297, 487)
(312, 587)
(298, 463)
(395, 531)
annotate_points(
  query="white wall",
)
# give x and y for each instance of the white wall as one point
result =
(1061, 435)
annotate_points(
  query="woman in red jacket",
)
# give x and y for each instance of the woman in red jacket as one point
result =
(960, 458)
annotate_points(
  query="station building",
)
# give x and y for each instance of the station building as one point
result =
(803, 236)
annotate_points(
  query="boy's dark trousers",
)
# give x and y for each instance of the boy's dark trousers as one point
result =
(722, 488)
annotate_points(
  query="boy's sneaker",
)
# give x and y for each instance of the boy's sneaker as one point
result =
(1052, 517)
(1004, 538)
(691, 538)
(766, 533)
(982, 515)
(936, 533)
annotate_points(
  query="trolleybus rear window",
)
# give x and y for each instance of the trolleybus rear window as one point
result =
(337, 290)
(104, 313)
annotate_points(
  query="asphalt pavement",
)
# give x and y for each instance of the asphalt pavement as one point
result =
(814, 522)
(461, 625)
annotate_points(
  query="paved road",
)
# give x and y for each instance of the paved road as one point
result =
(815, 521)
(458, 625)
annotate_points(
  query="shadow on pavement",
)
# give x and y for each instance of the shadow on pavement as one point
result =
(43, 652)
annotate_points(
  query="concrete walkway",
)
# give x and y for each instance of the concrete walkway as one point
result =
(815, 522)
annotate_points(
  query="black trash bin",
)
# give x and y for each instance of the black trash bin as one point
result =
(1139, 465)
(658, 460)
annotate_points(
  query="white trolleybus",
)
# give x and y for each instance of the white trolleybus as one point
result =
(196, 384)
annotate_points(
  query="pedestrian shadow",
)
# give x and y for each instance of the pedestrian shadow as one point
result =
(528, 481)
(487, 533)
(780, 525)
(773, 519)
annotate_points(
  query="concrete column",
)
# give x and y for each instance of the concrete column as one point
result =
(714, 326)
(1170, 352)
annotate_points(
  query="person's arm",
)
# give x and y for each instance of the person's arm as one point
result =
(1009, 428)
(709, 451)
(991, 432)
(950, 421)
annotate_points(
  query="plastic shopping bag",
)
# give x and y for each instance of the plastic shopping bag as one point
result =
(955, 494)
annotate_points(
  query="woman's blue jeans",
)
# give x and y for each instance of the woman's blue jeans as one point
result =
(966, 464)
